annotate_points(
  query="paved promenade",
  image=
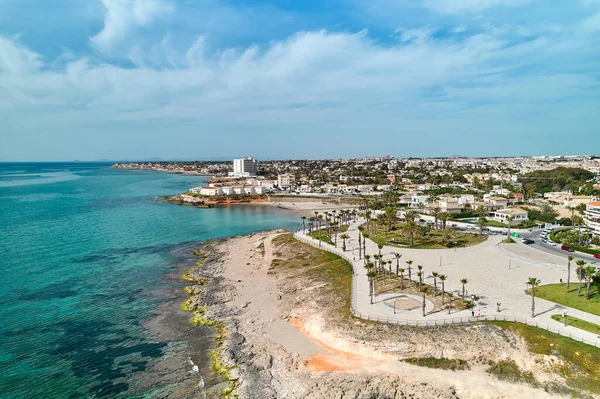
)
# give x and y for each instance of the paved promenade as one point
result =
(495, 274)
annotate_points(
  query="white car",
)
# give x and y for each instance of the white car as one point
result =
(551, 243)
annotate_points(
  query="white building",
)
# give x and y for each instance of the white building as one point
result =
(244, 167)
(419, 201)
(518, 215)
(286, 180)
(592, 217)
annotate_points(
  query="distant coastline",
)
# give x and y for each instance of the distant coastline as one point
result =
(166, 167)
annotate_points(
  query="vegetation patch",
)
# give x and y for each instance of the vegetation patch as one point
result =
(322, 236)
(579, 363)
(557, 293)
(509, 371)
(578, 323)
(320, 267)
(423, 237)
(442, 363)
(261, 248)
(188, 276)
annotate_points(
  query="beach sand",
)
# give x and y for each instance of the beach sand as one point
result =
(288, 337)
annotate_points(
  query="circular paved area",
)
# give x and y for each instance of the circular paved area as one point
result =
(404, 303)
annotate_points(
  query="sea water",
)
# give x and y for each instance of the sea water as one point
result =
(82, 249)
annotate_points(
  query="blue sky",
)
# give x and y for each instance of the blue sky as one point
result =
(191, 79)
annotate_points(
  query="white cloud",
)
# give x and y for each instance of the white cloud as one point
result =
(310, 81)
(15, 58)
(123, 16)
(420, 34)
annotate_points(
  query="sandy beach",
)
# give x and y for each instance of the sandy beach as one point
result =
(308, 206)
(290, 334)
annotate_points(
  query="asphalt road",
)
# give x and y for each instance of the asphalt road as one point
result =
(538, 244)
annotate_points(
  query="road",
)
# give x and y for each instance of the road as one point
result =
(539, 245)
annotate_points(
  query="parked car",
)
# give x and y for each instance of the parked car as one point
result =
(597, 256)
(493, 233)
(567, 248)
(551, 243)
(527, 241)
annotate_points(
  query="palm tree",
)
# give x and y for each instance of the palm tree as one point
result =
(344, 237)
(569, 259)
(589, 273)
(435, 276)
(481, 211)
(409, 263)
(508, 219)
(398, 256)
(481, 222)
(445, 216)
(371, 275)
(303, 221)
(410, 216)
(376, 259)
(435, 212)
(533, 282)
(420, 275)
(443, 278)
(380, 247)
(411, 228)
(367, 258)
(463, 281)
(580, 274)
(401, 270)
(359, 246)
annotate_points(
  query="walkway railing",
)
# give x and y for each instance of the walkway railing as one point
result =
(299, 235)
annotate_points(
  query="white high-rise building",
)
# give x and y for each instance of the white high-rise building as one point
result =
(244, 167)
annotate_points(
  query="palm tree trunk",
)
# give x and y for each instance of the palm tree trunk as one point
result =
(443, 293)
(587, 289)
(532, 301)
(568, 276)
(579, 288)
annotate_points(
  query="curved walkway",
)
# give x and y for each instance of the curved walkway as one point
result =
(493, 276)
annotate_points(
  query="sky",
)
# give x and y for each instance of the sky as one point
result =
(290, 79)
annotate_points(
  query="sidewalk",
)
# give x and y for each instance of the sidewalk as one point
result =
(486, 267)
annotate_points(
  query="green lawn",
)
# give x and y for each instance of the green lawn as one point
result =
(580, 364)
(578, 323)
(433, 240)
(321, 235)
(556, 293)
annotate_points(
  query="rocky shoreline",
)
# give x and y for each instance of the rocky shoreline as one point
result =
(210, 202)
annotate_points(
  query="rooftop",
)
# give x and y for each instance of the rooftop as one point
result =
(512, 211)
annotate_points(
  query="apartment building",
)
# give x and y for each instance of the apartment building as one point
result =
(591, 217)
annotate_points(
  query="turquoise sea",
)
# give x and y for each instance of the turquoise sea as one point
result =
(84, 255)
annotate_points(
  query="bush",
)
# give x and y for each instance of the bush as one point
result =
(555, 236)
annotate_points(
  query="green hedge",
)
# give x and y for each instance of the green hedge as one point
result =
(576, 247)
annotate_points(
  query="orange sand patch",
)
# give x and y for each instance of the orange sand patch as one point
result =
(321, 362)
(335, 360)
